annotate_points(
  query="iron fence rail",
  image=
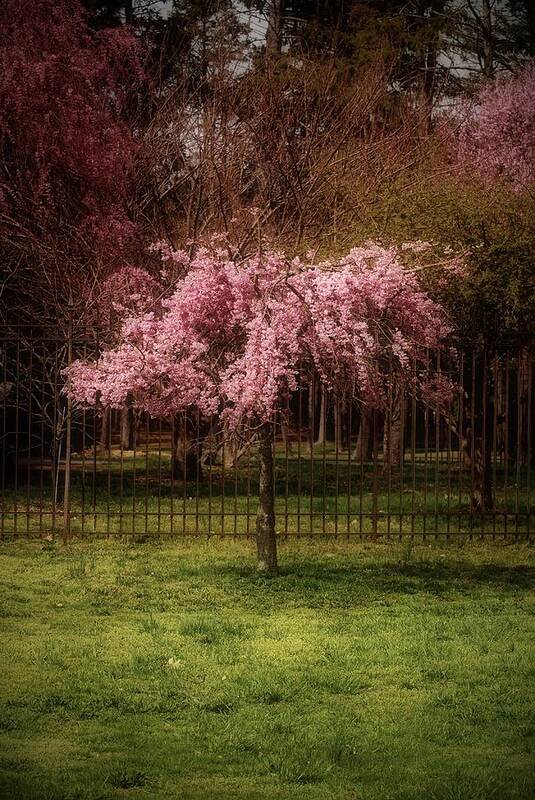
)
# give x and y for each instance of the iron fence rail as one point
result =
(414, 469)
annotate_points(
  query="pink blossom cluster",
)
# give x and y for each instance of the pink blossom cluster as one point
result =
(497, 139)
(127, 291)
(232, 338)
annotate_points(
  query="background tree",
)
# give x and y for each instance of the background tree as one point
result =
(67, 154)
(483, 207)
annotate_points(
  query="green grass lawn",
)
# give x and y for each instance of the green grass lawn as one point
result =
(173, 670)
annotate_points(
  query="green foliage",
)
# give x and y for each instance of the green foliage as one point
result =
(494, 303)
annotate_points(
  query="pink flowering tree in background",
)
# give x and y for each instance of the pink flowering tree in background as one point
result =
(496, 140)
(232, 338)
(69, 131)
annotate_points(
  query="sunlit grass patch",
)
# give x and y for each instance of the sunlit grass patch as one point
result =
(175, 670)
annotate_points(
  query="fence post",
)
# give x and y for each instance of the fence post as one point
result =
(68, 438)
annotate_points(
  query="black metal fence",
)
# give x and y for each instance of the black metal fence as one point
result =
(413, 469)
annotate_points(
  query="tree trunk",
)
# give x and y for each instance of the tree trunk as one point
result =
(522, 434)
(338, 428)
(127, 426)
(266, 540)
(364, 448)
(488, 36)
(129, 12)
(230, 450)
(274, 29)
(104, 443)
(479, 436)
(285, 432)
(322, 421)
(482, 491)
(393, 445)
(186, 452)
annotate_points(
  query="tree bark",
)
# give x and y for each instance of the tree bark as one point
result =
(129, 12)
(522, 434)
(338, 428)
(186, 453)
(322, 420)
(274, 29)
(393, 445)
(479, 436)
(104, 443)
(266, 540)
(127, 426)
(285, 432)
(364, 448)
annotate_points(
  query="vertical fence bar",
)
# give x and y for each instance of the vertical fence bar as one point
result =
(122, 423)
(388, 449)
(472, 441)
(299, 460)
(197, 438)
(414, 411)
(461, 438)
(83, 457)
(337, 443)
(285, 422)
(68, 436)
(484, 446)
(30, 433)
(311, 433)
(449, 456)
(375, 479)
(44, 404)
(349, 445)
(495, 378)
(5, 390)
(437, 452)
(16, 470)
(248, 488)
(223, 464)
(528, 466)
(506, 448)
(518, 448)
(360, 455)
(237, 456)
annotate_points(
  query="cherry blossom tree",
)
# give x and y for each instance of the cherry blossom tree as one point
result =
(497, 139)
(232, 338)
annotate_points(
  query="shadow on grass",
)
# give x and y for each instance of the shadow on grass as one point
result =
(317, 583)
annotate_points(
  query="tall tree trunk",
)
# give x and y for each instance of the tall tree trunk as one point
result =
(230, 449)
(393, 445)
(322, 421)
(488, 36)
(522, 435)
(479, 435)
(186, 452)
(364, 448)
(129, 12)
(338, 428)
(274, 28)
(104, 443)
(285, 433)
(127, 426)
(266, 540)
